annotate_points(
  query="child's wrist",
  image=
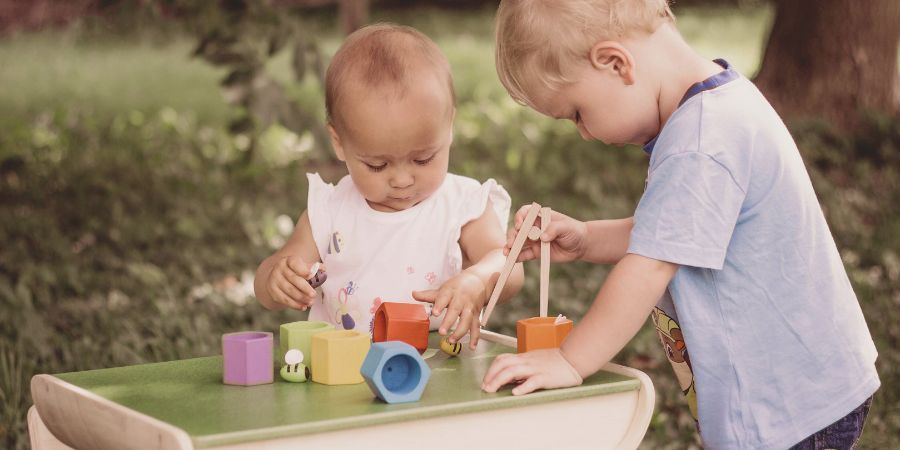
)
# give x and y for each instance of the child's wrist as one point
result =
(575, 370)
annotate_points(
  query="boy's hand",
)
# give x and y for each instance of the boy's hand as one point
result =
(567, 237)
(287, 283)
(538, 369)
(463, 296)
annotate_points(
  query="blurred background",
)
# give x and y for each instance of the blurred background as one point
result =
(153, 152)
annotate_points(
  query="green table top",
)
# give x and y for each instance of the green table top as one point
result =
(190, 395)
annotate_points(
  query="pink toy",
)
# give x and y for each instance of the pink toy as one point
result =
(248, 358)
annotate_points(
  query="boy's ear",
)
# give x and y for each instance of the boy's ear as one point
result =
(612, 56)
(336, 143)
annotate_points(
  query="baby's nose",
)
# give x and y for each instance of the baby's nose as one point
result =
(402, 179)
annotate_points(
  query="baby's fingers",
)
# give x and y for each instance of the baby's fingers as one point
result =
(300, 284)
(441, 301)
(279, 295)
(462, 327)
(426, 296)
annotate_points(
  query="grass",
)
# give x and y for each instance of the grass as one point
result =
(130, 231)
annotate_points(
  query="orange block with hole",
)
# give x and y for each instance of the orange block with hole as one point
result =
(405, 322)
(541, 332)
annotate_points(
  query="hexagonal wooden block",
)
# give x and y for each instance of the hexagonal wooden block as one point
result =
(247, 358)
(337, 356)
(541, 332)
(299, 335)
(405, 322)
(395, 372)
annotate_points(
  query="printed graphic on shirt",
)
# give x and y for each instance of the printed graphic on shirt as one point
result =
(375, 304)
(345, 313)
(335, 243)
(676, 350)
(430, 277)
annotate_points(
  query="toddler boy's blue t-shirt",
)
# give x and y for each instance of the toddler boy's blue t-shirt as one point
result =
(760, 321)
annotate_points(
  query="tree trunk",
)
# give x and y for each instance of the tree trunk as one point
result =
(353, 14)
(833, 59)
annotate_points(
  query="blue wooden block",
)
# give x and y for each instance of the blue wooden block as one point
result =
(395, 372)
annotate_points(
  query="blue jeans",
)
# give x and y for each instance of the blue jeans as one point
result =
(842, 434)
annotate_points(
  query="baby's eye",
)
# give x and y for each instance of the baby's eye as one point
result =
(375, 168)
(425, 161)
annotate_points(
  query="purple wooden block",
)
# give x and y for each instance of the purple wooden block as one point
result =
(248, 358)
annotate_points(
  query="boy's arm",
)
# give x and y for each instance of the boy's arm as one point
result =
(300, 244)
(607, 240)
(629, 294)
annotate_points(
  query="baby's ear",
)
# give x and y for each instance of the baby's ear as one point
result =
(336, 143)
(613, 57)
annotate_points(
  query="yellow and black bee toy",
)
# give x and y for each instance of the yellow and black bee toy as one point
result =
(450, 349)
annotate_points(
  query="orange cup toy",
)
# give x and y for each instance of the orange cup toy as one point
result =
(405, 322)
(541, 332)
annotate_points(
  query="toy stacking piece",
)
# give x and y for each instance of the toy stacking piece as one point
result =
(545, 262)
(523, 233)
(450, 349)
(337, 356)
(318, 276)
(541, 332)
(298, 335)
(395, 372)
(407, 322)
(247, 358)
(293, 369)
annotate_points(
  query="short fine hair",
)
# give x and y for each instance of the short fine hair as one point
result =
(539, 42)
(381, 57)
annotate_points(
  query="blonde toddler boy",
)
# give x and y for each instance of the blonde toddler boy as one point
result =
(728, 250)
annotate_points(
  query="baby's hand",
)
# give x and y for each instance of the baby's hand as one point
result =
(288, 285)
(538, 369)
(463, 297)
(567, 237)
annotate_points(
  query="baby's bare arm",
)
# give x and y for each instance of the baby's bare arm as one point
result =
(299, 246)
(482, 242)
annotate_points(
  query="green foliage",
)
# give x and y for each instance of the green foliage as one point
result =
(242, 36)
(132, 218)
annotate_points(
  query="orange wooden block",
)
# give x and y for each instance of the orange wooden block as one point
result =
(541, 332)
(405, 322)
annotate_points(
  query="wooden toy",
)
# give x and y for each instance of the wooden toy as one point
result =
(298, 335)
(407, 322)
(293, 369)
(395, 372)
(514, 251)
(319, 276)
(542, 331)
(337, 356)
(247, 358)
(450, 349)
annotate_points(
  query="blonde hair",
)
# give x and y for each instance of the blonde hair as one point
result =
(540, 41)
(381, 56)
